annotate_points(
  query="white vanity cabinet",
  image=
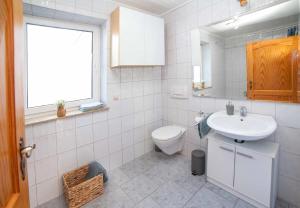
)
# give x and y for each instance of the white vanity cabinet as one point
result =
(248, 170)
(221, 163)
(137, 39)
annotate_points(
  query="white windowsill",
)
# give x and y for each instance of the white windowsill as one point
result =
(41, 119)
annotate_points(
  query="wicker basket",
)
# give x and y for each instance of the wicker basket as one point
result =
(79, 191)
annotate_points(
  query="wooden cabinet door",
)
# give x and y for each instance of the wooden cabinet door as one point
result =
(271, 72)
(13, 187)
(253, 175)
(220, 162)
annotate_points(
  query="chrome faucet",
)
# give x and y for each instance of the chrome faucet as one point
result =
(243, 111)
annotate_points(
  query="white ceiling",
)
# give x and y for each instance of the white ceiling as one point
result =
(153, 6)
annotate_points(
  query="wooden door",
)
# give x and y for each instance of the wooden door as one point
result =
(271, 69)
(13, 188)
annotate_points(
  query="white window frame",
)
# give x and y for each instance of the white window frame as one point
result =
(71, 105)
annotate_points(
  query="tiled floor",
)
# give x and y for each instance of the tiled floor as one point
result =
(159, 181)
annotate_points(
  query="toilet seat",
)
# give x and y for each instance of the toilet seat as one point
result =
(167, 133)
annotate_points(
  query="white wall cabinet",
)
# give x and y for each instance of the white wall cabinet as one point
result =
(137, 39)
(248, 170)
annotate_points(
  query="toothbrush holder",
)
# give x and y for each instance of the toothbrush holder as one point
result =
(230, 110)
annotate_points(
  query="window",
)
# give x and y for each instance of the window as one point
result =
(62, 64)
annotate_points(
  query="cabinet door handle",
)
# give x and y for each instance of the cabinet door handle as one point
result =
(245, 155)
(226, 149)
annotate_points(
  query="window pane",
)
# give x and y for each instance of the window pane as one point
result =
(59, 65)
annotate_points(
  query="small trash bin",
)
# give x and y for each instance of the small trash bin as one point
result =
(198, 162)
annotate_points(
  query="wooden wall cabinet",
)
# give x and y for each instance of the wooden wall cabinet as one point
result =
(137, 39)
(273, 70)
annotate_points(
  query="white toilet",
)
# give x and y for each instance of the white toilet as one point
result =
(169, 139)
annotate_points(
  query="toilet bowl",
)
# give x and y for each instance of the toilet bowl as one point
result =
(169, 138)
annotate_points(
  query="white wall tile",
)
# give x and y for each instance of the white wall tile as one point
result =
(288, 139)
(85, 154)
(43, 129)
(84, 120)
(99, 116)
(84, 135)
(126, 75)
(148, 102)
(66, 140)
(265, 108)
(115, 143)
(43, 168)
(288, 115)
(127, 139)
(289, 190)
(65, 124)
(127, 106)
(289, 165)
(114, 126)
(66, 161)
(47, 190)
(127, 123)
(45, 146)
(128, 154)
(139, 119)
(114, 109)
(138, 104)
(139, 149)
(148, 87)
(137, 88)
(139, 134)
(126, 90)
(100, 130)
(138, 74)
(101, 149)
(115, 160)
(32, 196)
(31, 174)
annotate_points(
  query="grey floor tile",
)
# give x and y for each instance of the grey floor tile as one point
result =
(58, 202)
(205, 198)
(148, 203)
(190, 182)
(221, 192)
(139, 188)
(118, 177)
(134, 168)
(242, 204)
(114, 199)
(281, 204)
(171, 195)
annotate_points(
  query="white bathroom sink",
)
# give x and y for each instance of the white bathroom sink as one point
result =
(250, 128)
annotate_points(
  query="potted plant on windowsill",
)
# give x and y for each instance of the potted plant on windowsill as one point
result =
(61, 111)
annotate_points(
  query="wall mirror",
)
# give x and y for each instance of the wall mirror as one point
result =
(255, 55)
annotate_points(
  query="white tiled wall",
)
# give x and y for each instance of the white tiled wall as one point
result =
(178, 24)
(138, 99)
(113, 137)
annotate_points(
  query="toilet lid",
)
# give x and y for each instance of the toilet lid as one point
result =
(167, 132)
